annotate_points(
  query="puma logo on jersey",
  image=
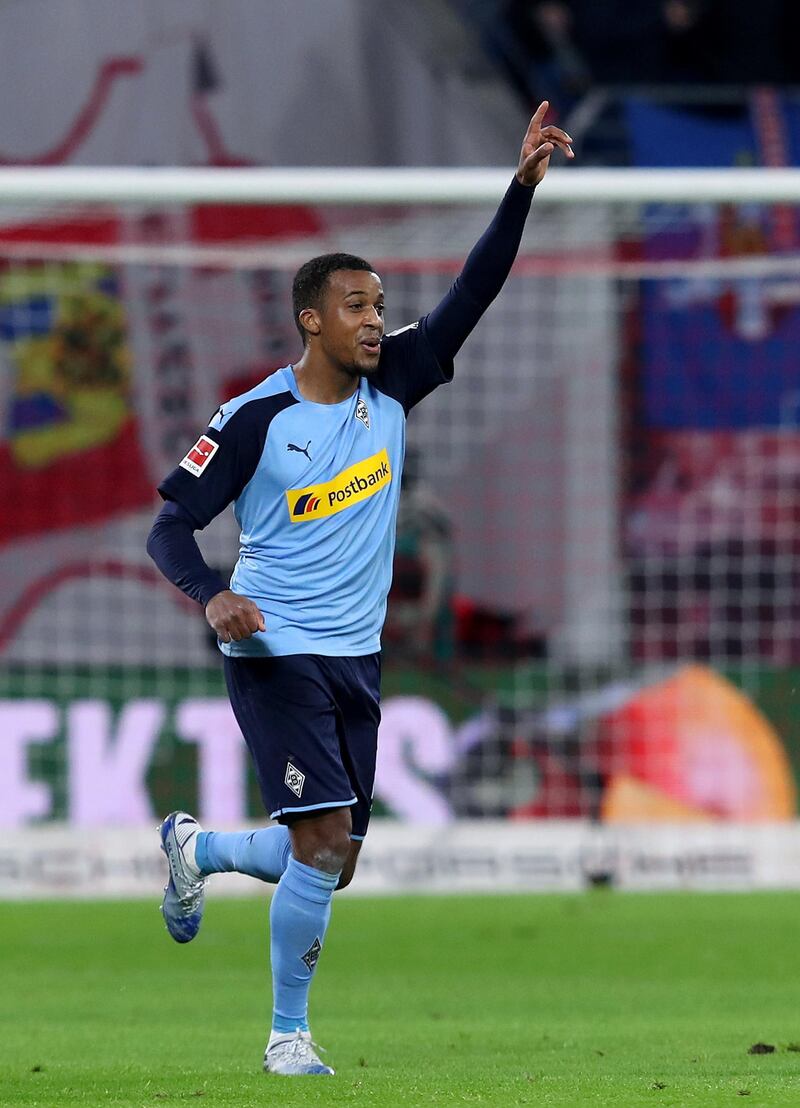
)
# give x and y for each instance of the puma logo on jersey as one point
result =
(300, 449)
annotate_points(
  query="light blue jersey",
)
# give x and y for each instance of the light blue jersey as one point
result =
(315, 489)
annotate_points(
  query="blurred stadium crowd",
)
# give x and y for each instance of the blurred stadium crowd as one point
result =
(561, 48)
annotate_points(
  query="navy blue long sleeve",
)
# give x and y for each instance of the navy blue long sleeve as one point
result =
(171, 544)
(483, 275)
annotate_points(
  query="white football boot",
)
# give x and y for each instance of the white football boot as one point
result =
(184, 893)
(294, 1055)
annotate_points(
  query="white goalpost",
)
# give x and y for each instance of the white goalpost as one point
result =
(395, 185)
(613, 480)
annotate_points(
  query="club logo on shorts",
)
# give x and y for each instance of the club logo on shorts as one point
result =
(362, 412)
(311, 956)
(294, 779)
(199, 456)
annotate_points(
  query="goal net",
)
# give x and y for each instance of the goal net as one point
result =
(596, 597)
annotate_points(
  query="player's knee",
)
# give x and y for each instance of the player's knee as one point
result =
(323, 842)
(329, 857)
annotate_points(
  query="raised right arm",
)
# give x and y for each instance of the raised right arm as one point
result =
(490, 260)
(418, 358)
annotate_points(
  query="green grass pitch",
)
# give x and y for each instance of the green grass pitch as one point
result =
(599, 999)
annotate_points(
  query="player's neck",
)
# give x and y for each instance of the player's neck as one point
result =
(321, 380)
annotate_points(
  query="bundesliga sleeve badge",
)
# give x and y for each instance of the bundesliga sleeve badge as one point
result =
(200, 455)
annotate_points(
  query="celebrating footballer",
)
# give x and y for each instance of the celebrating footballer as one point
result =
(311, 460)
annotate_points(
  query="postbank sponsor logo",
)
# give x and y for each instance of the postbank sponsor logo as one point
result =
(354, 484)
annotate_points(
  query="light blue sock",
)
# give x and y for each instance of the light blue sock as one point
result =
(298, 919)
(263, 854)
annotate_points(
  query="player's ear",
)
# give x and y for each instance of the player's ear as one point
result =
(310, 321)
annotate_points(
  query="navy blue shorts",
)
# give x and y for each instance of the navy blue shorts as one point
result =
(311, 725)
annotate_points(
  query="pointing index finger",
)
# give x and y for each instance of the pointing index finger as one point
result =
(538, 116)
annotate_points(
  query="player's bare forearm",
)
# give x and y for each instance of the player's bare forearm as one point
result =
(234, 617)
(537, 146)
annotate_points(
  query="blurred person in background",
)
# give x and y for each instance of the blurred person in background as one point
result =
(420, 620)
(545, 31)
(571, 45)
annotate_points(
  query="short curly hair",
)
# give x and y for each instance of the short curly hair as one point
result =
(311, 279)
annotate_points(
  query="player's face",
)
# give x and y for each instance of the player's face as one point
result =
(351, 320)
